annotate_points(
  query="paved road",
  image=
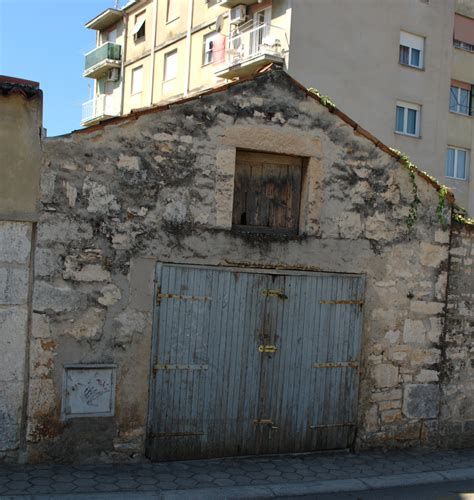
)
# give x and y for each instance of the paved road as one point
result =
(246, 477)
(456, 490)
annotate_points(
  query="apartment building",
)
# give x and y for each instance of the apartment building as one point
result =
(404, 69)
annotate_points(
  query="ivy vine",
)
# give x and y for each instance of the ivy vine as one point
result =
(325, 100)
(440, 208)
(416, 201)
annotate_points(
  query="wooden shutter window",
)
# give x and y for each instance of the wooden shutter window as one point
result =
(267, 192)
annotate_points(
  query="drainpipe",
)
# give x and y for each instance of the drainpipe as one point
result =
(188, 47)
(122, 67)
(153, 45)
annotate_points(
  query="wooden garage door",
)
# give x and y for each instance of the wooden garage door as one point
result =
(252, 362)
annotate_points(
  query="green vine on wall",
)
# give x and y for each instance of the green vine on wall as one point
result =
(440, 208)
(325, 100)
(412, 168)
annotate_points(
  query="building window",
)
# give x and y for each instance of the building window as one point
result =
(137, 80)
(463, 37)
(460, 100)
(138, 31)
(172, 12)
(411, 50)
(407, 119)
(171, 66)
(457, 163)
(209, 48)
(267, 192)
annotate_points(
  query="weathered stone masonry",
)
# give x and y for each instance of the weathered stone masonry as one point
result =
(159, 187)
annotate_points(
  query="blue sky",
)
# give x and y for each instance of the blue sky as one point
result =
(45, 41)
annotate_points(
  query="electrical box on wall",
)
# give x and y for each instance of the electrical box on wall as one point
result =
(88, 391)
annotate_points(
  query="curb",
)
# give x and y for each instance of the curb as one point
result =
(272, 491)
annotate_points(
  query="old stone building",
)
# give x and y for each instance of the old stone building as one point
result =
(245, 271)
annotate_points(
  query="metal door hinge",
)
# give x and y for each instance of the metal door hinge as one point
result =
(267, 292)
(265, 421)
(267, 348)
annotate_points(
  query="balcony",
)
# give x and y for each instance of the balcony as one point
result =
(233, 3)
(101, 59)
(251, 47)
(100, 108)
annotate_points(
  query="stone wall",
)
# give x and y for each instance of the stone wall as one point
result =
(15, 245)
(457, 371)
(158, 187)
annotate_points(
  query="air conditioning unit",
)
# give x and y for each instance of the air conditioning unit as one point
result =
(238, 14)
(113, 75)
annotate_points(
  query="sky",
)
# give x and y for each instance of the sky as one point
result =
(45, 41)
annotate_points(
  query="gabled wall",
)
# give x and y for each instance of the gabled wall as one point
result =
(158, 187)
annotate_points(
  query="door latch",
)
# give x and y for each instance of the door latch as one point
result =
(265, 421)
(267, 348)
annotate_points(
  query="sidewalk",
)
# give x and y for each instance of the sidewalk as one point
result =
(249, 477)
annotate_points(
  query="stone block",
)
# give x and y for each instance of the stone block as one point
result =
(421, 401)
(100, 201)
(425, 376)
(386, 375)
(391, 416)
(40, 326)
(46, 262)
(392, 395)
(10, 414)
(110, 295)
(88, 273)
(57, 228)
(426, 308)
(442, 236)
(13, 322)
(87, 325)
(57, 298)
(432, 255)
(15, 242)
(392, 336)
(13, 285)
(414, 331)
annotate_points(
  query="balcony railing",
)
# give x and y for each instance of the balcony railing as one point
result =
(101, 59)
(251, 46)
(103, 106)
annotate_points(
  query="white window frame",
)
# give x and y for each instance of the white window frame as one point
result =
(208, 38)
(458, 99)
(133, 90)
(169, 11)
(412, 42)
(406, 106)
(140, 22)
(166, 65)
(466, 166)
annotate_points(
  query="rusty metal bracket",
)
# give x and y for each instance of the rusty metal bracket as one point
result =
(161, 296)
(342, 364)
(267, 348)
(267, 292)
(265, 421)
(164, 366)
(357, 302)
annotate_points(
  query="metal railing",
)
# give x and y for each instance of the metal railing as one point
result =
(102, 105)
(108, 50)
(249, 41)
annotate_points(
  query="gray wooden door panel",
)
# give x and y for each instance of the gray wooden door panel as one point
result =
(220, 396)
